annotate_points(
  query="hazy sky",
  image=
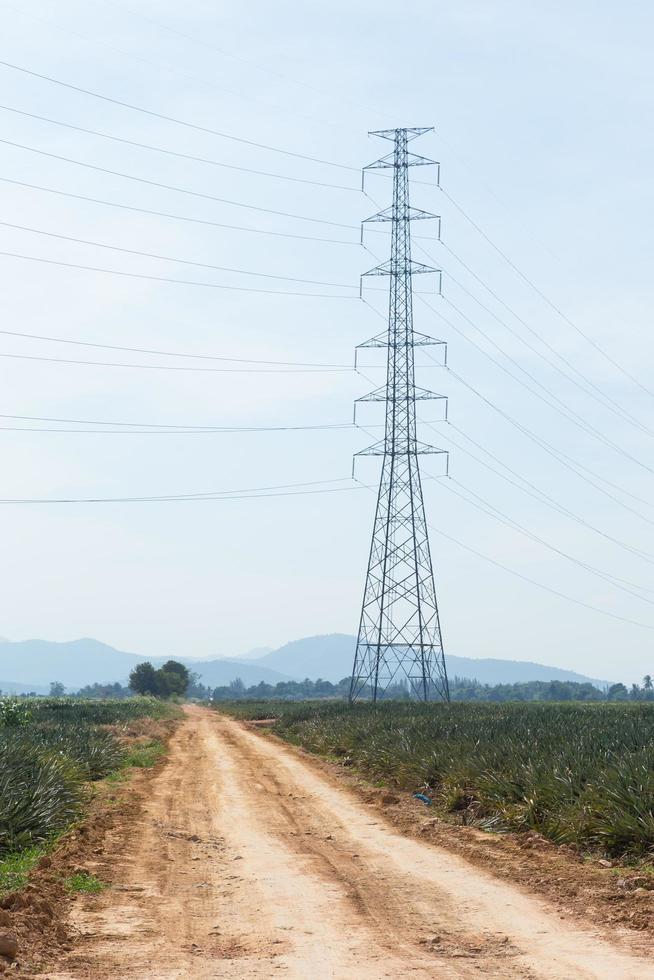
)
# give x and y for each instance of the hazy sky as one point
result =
(543, 116)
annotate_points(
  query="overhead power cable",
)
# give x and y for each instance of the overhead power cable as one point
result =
(169, 258)
(534, 491)
(197, 221)
(169, 353)
(176, 217)
(181, 367)
(583, 472)
(526, 578)
(245, 61)
(173, 431)
(548, 398)
(178, 282)
(172, 187)
(178, 122)
(179, 426)
(595, 391)
(489, 509)
(177, 153)
(253, 493)
(141, 428)
(600, 394)
(539, 585)
(616, 364)
(170, 69)
(155, 428)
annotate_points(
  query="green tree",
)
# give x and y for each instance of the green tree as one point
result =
(237, 688)
(57, 689)
(196, 689)
(617, 692)
(143, 679)
(647, 682)
(173, 678)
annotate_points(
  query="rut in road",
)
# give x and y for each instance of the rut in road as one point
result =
(250, 862)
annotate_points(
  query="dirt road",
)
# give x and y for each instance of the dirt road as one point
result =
(250, 862)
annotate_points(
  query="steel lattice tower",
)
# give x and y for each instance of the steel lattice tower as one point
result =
(399, 633)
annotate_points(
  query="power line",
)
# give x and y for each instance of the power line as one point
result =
(536, 493)
(141, 428)
(168, 353)
(172, 187)
(253, 493)
(244, 61)
(549, 398)
(294, 81)
(539, 585)
(546, 299)
(158, 66)
(532, 581)
(194, 220)
(534, 333)
(150, 428)
(173, 431)
(561, 457)
(175, 367)
(596, 392)
(179, 122)
(176, 217)
(571, 464)
(178, 282)
(489, 509)
(204, 82)
(560, 405)
(169, 258)
(176, 153)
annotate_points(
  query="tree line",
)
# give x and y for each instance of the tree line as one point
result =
(461, 689)
(175, 679)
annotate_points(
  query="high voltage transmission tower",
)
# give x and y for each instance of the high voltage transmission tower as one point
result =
(399, 636)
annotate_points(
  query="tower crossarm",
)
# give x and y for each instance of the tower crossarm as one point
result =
(382, 340)
(381, 395)
(389, 161)
(395, 271)
(412, 160)
(410, 133)
(422, 448)
(411, 268)
(413, 214)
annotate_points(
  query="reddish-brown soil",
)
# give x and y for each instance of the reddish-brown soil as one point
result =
(39, 914)
(242, 856)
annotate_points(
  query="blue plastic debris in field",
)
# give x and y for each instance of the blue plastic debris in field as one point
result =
(425, 799)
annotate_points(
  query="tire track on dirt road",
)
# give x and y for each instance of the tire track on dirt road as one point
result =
(249, 862)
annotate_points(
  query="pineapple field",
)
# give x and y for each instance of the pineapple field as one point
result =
(578, 774)
(52, 750)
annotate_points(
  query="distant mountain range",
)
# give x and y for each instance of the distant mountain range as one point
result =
(30, 665)
(330, 657)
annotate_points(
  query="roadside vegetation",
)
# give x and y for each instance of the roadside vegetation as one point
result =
(84, 882)
(579, 774)
(51, 751)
